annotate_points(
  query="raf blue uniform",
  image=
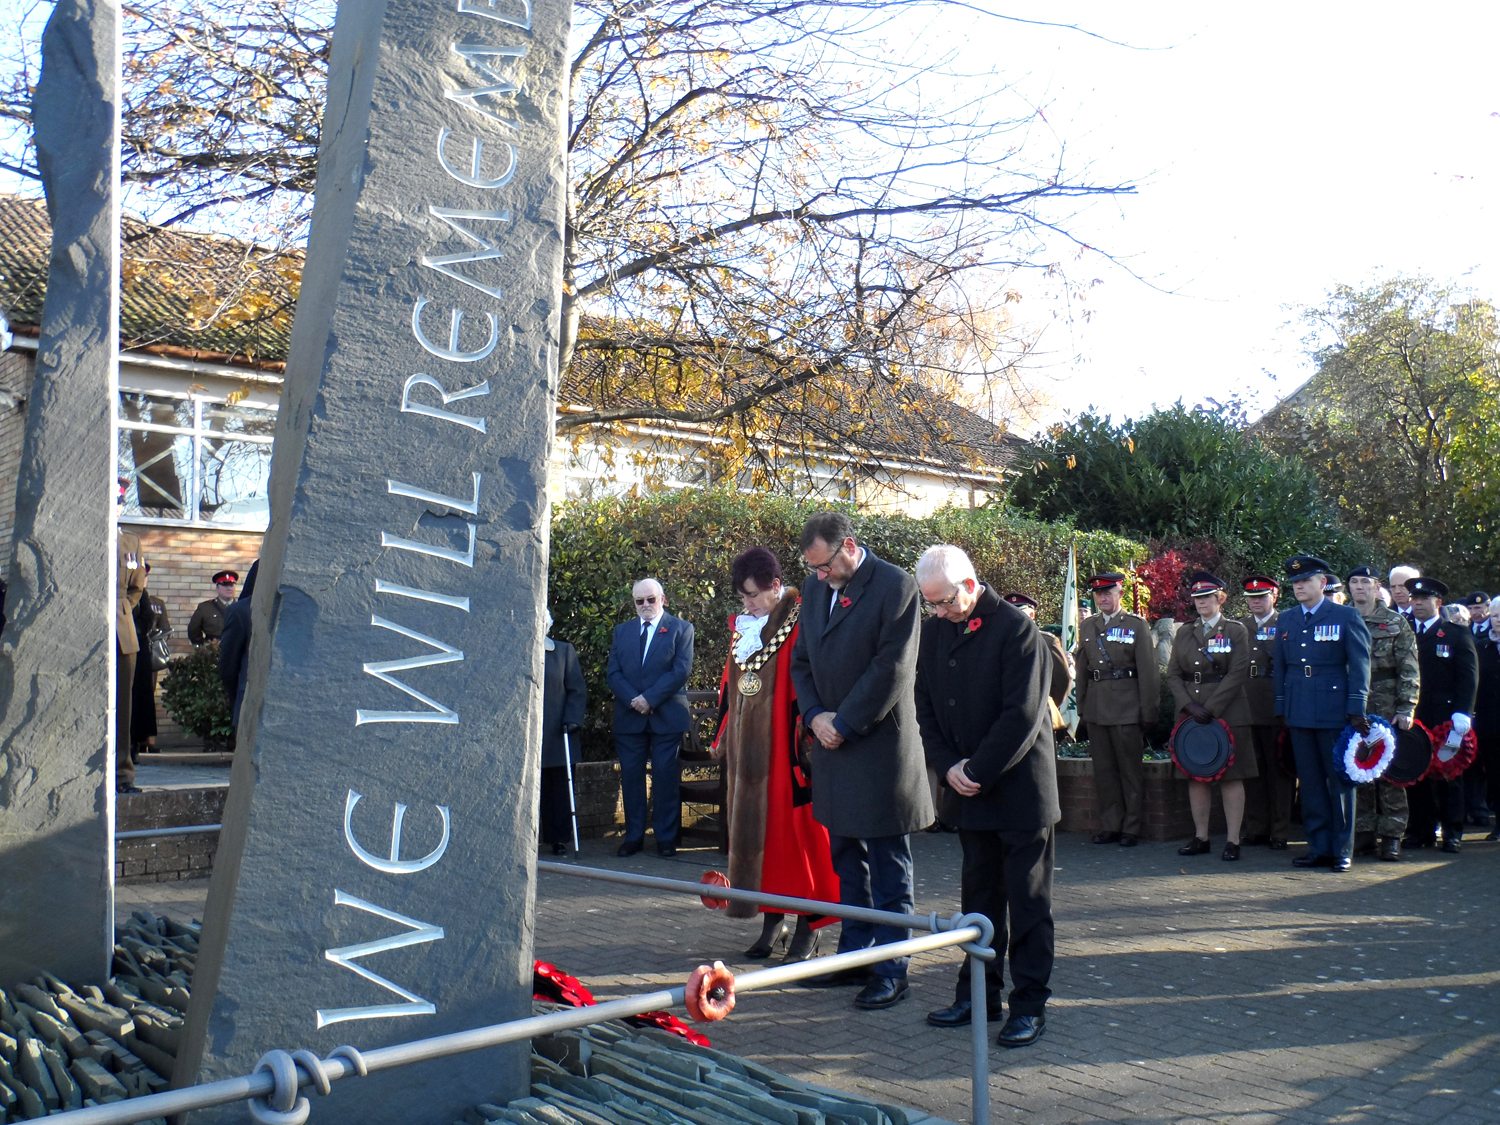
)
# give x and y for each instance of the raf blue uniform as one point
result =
(1322, 673)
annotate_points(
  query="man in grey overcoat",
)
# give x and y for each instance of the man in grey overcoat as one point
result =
(854, 669)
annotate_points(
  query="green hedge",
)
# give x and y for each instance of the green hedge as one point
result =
(688, 539)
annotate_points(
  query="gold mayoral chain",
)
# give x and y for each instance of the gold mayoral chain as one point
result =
(750, 681)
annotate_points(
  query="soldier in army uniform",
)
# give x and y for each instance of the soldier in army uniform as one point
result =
(207, 622)
(1119, 689)
(1450, 679)
(1268, 796)
(1381, 813)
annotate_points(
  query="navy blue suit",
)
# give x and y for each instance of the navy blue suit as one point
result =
(662, 680)
(1322, 674)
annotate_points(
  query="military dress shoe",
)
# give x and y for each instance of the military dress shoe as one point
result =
(1493, 836)
(882, 992)
(1277, 845)
(961, 1013)
(1127, 840)
(840, 978)
(127, 789)
(1390, 848)
(1338, 864)
(1106, 837)
(1417, 841)
(1255, 841)
(1195, 846)
(1450, 845)
(1310, 860)
(559, 849)
(630, 847)
(666, 851)
(1230, 853)
(1020, 1031)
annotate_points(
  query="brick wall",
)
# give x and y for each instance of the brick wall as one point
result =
(170, 858)
(1167, 815)
(16, 370)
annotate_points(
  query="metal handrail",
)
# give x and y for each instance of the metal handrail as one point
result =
(308, 1070)
(185, 830)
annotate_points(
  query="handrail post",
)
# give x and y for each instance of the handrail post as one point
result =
(979, 1005)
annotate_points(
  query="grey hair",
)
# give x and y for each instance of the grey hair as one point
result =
(1399, 574)
(548, 612)
(945, 561)
(1495, 605)
(660, 593)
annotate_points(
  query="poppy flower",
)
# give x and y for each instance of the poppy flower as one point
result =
(845, 602)
(663, 629)
(975, 623)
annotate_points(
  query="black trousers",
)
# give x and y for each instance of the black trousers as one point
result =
(1007, 877)
(557, 821)
(1489, 754)
(1435, 802)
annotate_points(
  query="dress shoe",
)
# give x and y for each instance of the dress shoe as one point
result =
(1481, 821)
(1277, 845)
(961, 1014)
(1338, 864)
(840, 978)
(1493, 836)
(1390, 848)
(1019, 1031)
(1230, 853)
(1450, 845)
(1417, 841)
(804, 943)
(630, 847)
(1106, 837)
(1255, 841)
(127, 789)
(1127, 840)
(882, 992)
(1195, 846)
(1310, 860)
(774, 932)
(935, 827)
(667, 850)
(559, 849)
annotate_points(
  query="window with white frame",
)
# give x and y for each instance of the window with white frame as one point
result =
(196, 459)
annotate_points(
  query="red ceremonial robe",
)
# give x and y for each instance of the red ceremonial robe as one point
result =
(775, 845)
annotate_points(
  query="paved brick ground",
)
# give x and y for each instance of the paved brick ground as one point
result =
(1185, 990)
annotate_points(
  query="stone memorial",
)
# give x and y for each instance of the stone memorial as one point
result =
(375, 879)
(57, 654)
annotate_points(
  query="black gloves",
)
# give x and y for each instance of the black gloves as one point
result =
(1360, 723)
(1198, 713)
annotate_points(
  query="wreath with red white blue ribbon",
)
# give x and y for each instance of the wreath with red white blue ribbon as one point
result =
(1363, 758)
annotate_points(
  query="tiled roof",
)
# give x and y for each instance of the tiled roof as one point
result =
(171, 280)
(193, 293)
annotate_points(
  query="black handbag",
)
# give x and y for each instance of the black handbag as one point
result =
(156, 649)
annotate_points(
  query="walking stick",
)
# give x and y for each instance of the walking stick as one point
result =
(572, 802)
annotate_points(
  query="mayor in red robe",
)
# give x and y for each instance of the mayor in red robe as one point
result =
(775, 845)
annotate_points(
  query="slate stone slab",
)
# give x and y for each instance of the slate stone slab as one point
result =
(384, 789)
(57, 659)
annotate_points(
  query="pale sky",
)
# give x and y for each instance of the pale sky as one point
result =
(1279, 149)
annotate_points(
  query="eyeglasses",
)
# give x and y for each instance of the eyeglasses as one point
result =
(933, 607)
(826, 564)
(646, 601)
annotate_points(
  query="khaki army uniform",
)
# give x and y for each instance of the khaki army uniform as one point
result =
(130, 583)
(1119, 688)
(1381, 807)
(1268, 796)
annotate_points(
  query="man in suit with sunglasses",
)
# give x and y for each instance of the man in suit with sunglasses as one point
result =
(649, 662)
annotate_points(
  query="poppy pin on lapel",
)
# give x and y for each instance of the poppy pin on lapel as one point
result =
(845, 602)
(975, 623)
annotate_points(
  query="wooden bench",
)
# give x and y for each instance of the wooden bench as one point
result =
(694, 756)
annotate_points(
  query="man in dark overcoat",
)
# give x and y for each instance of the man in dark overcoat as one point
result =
(565, 700)
(649, 662)
(854, 668)
(1322, 675)
(983, 674)
(1449, 665)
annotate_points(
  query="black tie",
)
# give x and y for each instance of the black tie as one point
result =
(645, 629)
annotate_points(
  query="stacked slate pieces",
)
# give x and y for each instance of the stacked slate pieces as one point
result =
(613, 1074)
(63, 1048)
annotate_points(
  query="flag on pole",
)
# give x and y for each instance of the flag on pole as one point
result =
(1070, 636)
